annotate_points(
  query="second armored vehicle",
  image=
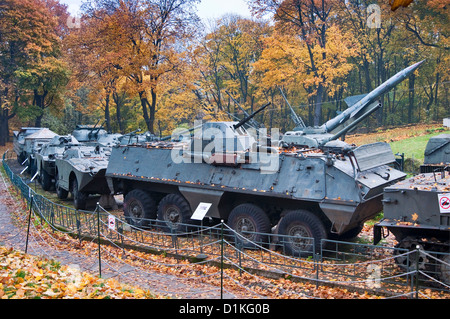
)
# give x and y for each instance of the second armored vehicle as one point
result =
(81, 171)
(46, 157)
(417, 212)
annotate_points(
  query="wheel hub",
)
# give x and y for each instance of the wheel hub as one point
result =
(413, 260)
(244, 226)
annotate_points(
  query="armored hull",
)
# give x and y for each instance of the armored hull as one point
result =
(46, 157)
(417, 212)
(412, 208)
(81, 171)
(338, 192)
(437, 154)
(19, 141)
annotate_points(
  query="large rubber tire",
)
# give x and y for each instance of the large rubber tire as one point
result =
(175, 213)
(61, 192)
(46, 180)
(298, 226)
(251, 223)
(139, 208)
(79, 198)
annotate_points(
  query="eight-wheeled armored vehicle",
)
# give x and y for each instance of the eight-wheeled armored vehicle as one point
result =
(302, 192)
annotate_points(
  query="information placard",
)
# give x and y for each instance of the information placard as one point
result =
(201, 211)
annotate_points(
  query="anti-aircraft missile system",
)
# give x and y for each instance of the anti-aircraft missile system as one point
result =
(360, 107)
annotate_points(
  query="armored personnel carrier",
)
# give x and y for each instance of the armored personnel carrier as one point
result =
(46, 156)
(417, 212)
(81, 171)
(19, 141)
(33, 144)
(95, 135)
(437, 154)
(88, 133)
(255, 186)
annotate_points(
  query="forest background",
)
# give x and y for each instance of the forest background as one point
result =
(153, 65)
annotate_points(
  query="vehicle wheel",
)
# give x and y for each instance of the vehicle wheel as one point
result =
(139, 207)
(175, 213)
(303, 232)
(32, 168)
(79, 198)
(251, 223)
(61, 192)
(409, 262)
(46, 180)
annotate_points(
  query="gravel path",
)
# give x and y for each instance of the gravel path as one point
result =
(13, 221)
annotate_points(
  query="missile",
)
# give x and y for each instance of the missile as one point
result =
(363, 105)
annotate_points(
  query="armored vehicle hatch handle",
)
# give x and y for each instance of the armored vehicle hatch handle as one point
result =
(248, 118)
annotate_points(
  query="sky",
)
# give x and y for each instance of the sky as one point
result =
(207, 9)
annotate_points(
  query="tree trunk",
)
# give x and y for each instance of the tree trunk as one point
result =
(144, 104)
(411, 95)
(152, 112)
(118, 103)
(318, 106)
(107, 115)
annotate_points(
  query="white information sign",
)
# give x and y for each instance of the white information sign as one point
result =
(444, 202)
(111, 222)
(201, 211)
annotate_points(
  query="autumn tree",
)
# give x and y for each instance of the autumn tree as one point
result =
(150, 36)
(32, 73)
(309, 37)
(225, 58)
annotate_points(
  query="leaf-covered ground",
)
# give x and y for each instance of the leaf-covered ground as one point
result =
(23, 276)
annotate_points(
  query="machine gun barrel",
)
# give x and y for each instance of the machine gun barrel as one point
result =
(248, 118)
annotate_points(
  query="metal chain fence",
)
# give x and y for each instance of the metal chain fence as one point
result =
(352, 266)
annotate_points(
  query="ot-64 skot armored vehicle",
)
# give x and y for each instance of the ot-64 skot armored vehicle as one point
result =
(305, 193)
(46, 156)
(310, 187)
(417, 212)
(81, 171)
(437, 154)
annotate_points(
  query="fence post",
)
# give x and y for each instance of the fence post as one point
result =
(221, 259)
(29, 221)
(98, 237)
(417, 270)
